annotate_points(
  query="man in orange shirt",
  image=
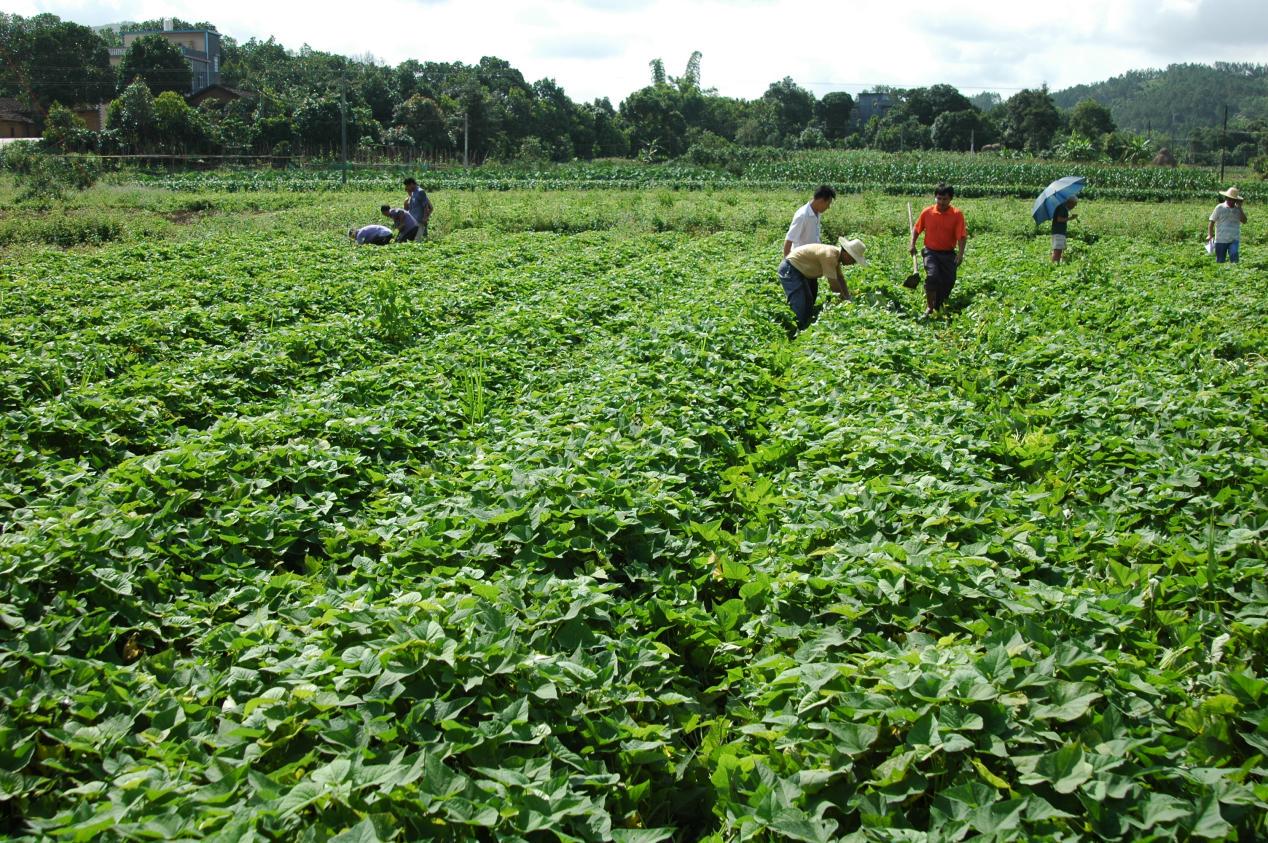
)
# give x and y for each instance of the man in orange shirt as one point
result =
(945, 239)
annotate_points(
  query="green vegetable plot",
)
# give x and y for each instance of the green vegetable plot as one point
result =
(539, 536)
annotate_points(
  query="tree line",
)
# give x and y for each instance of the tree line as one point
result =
(304, 101)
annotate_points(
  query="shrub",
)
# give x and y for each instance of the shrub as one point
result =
(46, 176)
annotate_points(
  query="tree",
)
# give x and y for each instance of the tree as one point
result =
(925, 104)
(833, 111)
(422, 118)
(64, 130)
(1030, 120)
(986, 101)
(690, 79)
(958, 130)
(158, 62)
(654, 121)
(1091, 120)
(132, 116)
(609, 141)
(176, 125)
(794, 107)
(44, 58)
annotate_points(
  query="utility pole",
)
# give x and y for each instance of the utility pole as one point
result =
(1223, 144)
(343, 123)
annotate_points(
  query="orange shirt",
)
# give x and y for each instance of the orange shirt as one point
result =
(942, 230)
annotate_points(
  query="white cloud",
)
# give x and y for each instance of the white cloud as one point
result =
(597, 48)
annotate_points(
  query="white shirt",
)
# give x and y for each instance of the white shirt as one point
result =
(1228, 223)
(804, 228)
(370, 232)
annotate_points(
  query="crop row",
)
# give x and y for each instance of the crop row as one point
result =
(569, 537)
(981, 175)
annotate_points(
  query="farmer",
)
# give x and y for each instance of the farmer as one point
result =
(378, 235)
(799, 273)
(1060, 218)
(418, 205)
(406, 225)
(805, 223)
(945, 239)
(1225, 226)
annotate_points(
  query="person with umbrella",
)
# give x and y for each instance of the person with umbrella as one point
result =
(945, 239)
(1060, 219)
(1225, 226)
(1054, 203)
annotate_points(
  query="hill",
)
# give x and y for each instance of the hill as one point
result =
(1180, 99)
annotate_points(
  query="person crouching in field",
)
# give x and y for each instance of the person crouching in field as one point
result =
(1060, 219)
(945, 239)
(1225, 226)
(406, 225)
(377, 235)
(799, 273)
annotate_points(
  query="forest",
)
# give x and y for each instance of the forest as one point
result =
(301, 102)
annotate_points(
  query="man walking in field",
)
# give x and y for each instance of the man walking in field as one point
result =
(406, 225)
(1060, 219)
(799, 273)
(1225, 226)
(805, 223)
(945, 239)
(418, 205)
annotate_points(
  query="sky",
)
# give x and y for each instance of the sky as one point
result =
(601, 48)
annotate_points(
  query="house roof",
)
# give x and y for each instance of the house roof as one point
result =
(13, 110)
(218, 87)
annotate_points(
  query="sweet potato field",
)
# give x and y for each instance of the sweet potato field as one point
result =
(558, 535)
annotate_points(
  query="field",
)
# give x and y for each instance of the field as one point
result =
(547, 528)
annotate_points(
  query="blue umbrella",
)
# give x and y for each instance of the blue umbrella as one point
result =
(1055, 194)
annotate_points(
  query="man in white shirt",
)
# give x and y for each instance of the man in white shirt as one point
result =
(1225, 226)
(805, 223)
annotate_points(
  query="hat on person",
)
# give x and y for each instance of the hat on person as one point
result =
(1231, 193)
(855, 248)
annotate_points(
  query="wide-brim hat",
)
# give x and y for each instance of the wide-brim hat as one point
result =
(1231, 193)
(855, 248)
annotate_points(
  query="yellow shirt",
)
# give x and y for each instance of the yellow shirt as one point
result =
(817, 260)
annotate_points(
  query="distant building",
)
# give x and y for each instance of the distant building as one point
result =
(220, 93)
(867, 106)
(200, 47)
(16, 121)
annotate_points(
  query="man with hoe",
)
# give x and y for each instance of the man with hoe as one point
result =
(945, 239)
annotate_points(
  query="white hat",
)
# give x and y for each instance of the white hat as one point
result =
(1231, 193)
(855, 248)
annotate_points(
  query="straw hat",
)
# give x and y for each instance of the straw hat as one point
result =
(1231, 193)
(855, 249)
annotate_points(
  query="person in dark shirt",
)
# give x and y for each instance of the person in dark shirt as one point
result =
(1060, 219)
(406, 225)
(418, 205)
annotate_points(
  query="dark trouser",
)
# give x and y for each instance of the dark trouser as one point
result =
(1227, 250)
(412, 234)
(800, 291)
(939, 276)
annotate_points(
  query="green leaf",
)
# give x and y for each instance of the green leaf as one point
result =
(362, 832)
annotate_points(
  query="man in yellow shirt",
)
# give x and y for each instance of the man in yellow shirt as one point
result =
(799, 273)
